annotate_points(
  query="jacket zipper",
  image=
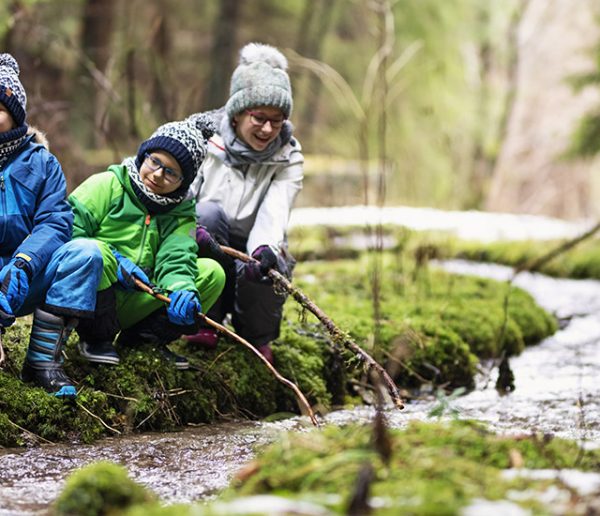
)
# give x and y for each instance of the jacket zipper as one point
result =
(144, 232)
(4, 213)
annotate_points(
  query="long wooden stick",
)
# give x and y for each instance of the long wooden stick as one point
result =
(338, 335)
(301, 398)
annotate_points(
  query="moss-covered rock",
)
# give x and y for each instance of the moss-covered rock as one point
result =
(100, 489)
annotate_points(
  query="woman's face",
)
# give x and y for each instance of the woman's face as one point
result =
(259, 126)
(6, 120)
(161, 173)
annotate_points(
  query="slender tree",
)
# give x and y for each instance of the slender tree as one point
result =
(223, 53)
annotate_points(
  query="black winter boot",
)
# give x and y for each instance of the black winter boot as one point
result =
(157, 331)
(97, 334)
(43, 362)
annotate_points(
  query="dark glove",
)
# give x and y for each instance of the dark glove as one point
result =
(127, 272)
(207, 245)
(6, 313)
(183, 307)
(264, 260)
(14, 282)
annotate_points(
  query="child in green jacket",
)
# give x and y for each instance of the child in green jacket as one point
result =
(133, 222)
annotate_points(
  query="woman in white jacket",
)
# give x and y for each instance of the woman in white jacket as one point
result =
(244, 193)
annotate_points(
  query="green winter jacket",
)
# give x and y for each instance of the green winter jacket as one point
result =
(106, 209)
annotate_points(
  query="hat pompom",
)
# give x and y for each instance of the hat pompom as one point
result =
(259, 52)
(8, 60)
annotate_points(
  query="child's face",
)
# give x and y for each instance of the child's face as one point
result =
(6, 120)
(161, 173)
(259, 126)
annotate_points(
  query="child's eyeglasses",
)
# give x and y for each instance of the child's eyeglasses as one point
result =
(258, 119)
(154, 164)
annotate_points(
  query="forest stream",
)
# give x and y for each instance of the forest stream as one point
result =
(557, 392)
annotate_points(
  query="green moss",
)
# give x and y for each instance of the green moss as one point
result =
(433, 469)
(99, 489)
(431, 328)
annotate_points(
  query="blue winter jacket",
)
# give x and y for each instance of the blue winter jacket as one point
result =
(35, 217)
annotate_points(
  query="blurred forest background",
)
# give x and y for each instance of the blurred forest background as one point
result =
(462, 104)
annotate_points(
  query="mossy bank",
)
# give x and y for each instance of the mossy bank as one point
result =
(431, 328)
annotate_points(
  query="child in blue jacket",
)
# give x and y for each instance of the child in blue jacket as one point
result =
(35, 229)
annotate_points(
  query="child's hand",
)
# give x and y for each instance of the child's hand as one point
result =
(14, 283)
(265, 259)
(183, 307)
(128, 272)
(6, 313)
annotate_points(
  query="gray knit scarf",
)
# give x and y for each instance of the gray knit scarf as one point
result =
(239, 153)
(154, 202)
(11, 141)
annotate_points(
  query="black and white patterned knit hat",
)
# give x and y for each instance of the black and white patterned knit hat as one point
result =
(183, 141)
(12, 93)
(260, 79)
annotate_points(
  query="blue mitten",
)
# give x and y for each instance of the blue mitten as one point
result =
(6, 313)
(183, 307)
(14, 282)
(127, 272)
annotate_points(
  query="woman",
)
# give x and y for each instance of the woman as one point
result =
(245, 190)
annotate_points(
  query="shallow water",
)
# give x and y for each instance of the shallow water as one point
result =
(556, 392)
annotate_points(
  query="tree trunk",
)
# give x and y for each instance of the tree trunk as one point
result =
(96, 36)
(223, 53)
(163, 95)
(314, 49)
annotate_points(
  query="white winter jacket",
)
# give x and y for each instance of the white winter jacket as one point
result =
(258, 202)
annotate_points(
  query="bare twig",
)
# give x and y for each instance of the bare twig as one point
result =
(534, 265)
(338, 335)
(29, 432)
(99, 419)
(301, 398)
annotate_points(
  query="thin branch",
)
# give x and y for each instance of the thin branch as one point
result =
(148, 417)
(302, 400)
(99, 419)
(29, 432)
(562, 248)
(338, 335)
(120, 397)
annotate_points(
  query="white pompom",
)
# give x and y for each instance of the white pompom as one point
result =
(257, 52)
(8, 60)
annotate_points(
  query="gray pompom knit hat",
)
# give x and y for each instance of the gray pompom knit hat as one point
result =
(260, 79)
(183, 141)
(12, 93)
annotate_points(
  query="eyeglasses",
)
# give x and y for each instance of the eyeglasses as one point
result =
(154, 164)
(258, 119)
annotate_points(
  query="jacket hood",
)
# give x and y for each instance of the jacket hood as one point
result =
(38, 136)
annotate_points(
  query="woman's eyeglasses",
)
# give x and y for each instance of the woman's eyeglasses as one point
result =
(154, 164)
(258, 119)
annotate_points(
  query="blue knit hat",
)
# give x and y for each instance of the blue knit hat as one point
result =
(260, 80)
(12, 93)
(183, 141)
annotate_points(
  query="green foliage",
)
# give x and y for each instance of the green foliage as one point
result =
(99, 489)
